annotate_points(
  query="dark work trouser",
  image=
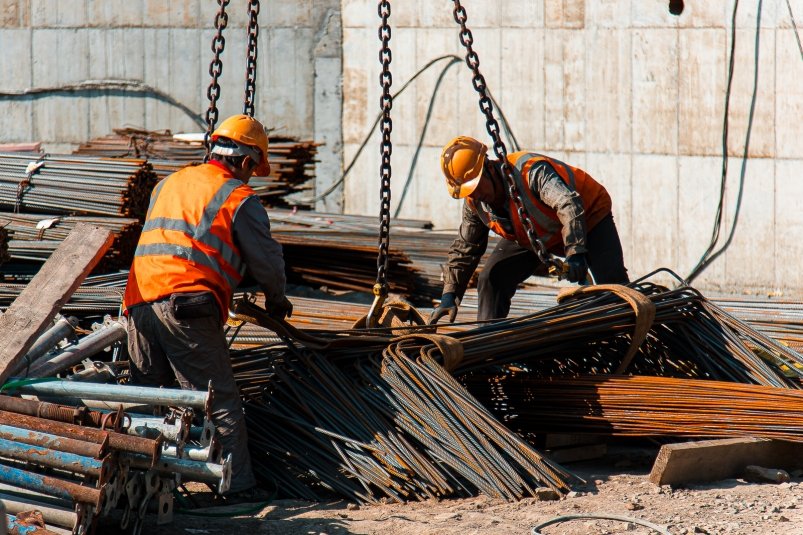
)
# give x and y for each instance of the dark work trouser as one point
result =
(510, 264)
(195, 351)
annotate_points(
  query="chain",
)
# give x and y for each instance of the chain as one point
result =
(386, 125)
(492, 126)
(215, 70)
(251, 58)
(380, 289)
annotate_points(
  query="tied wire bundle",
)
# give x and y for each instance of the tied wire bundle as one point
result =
(75, 185)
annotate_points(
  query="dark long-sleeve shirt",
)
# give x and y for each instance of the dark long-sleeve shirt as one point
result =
(472, 241)
(261, 254)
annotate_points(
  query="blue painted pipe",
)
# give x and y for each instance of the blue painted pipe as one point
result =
(16, 528)
(51, 486)
(51, 458)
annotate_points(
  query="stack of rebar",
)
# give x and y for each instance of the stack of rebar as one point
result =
(75, 185)
(292, 161)
(34, 237)
(343, 245)
(343, 263)
(334, 393)
(642, 406)
(371, 431)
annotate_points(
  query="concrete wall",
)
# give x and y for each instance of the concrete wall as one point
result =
(621, 88)
(166, 44)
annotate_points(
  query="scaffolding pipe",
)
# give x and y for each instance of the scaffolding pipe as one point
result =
(88, 346)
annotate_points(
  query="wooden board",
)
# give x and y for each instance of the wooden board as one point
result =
(715, 460)
(33, 310)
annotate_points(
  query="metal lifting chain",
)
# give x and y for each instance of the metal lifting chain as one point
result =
(215, 69)
(251, 58)
(380, 289)
(478, 80)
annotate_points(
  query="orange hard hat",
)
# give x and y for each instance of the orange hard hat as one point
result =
(461, 162)
(247, 131)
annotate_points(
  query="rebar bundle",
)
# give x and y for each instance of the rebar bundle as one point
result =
(71, 185)
(34, 237)
(334, 394)
(368, 432)
(641, 406)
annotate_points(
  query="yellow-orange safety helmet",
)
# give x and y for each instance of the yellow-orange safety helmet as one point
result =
(461, 162)
(248, 131)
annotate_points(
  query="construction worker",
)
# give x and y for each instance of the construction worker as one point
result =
(204, 230)
(571, 213)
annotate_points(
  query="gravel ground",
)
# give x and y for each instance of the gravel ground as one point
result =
(616, 485)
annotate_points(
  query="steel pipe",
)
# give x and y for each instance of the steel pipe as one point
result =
(116, 441)
(63, 328)
(87, 346)
(53, 459)
(53, 486)
(144, 395)
(58, 516)
(54, 442)
(218, 474)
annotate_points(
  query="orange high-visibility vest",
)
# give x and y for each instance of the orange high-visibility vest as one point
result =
(595, 199)
(186, 243)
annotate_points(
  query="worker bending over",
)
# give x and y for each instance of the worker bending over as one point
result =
(570, 210)
(205, 229)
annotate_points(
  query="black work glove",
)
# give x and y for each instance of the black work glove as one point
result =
(578, 268)
(281, 310)
(448, 306)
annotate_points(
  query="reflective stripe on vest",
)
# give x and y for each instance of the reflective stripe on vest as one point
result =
(200, 232)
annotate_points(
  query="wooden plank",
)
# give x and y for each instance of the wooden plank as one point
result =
(715, 460)
(49, 290)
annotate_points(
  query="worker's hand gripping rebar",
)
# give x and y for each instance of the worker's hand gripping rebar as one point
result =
(380, 289)
(215, 70)
(251, 58)
(486, 106)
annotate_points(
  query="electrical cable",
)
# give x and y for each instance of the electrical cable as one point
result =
(725, 129)
(367, 138)
(125, 86)
(794, 25)
(709, 257)
(602, 516)
(424, 129)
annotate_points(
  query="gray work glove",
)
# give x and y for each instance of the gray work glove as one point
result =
(281, 310)
(448, 305)
(578, 268)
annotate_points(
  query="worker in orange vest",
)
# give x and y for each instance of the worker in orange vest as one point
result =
(570, 211)
(205, 229)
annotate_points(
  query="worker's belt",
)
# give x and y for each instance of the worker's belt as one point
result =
(193, 305)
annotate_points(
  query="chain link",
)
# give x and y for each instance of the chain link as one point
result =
(251, 58)
(215, 70)
(386, 126)
(492, 126)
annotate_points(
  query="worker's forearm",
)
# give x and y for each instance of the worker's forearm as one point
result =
(465, 253)
(261, 254)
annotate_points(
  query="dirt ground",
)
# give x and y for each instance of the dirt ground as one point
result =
(616, 485)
